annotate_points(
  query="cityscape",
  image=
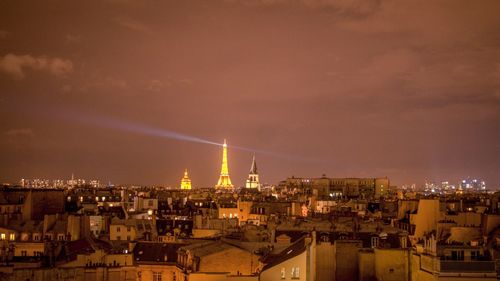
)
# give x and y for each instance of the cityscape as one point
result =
(249, 140)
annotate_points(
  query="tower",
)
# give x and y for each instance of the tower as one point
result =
(185, 181)
(253, 176)
(224, 180)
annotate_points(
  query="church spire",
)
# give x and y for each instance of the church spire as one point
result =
(253, 169)
(253, 176)
(224, 180)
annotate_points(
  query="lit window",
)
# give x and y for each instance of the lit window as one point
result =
(12, 236)
(283, 272)
(295, 273)
(156, 276)
(2, 236)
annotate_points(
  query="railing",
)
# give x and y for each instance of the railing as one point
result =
(433, 264)
(467, 266)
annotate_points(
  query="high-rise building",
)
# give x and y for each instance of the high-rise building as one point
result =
(224, 180)
(185, 181)
(253, 176)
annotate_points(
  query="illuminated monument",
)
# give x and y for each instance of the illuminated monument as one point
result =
(224, 180)
(185, 181)
(253, 176)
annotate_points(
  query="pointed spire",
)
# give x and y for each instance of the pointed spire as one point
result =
(253, 176)
(253, 169)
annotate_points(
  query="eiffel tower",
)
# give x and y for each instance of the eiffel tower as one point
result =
(224, 180)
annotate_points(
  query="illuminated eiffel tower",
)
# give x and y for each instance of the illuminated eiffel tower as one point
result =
(224, 180)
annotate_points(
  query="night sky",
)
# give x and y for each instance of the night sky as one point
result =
(351, 88)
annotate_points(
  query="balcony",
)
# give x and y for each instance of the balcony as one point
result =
(433, 264)
(467, 266)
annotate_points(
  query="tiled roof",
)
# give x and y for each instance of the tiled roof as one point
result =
(207, 248)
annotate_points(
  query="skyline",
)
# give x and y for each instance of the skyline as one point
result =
(224, 172)
(342, 88)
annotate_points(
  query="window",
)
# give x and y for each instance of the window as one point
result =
(283, 272)
(374, 242)
(118, 229)
(474, 255)
(118, 238)
(139, 276)
(128, 228)
(403, 242)
(174, 277)
(457, 255)
(295, 273)
(36, 237)
(156, 276)
(12, 236)
(2, 236)
(128, 237)
(24, 253)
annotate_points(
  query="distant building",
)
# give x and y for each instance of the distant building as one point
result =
(253, 176)
(340, 187)
(473, 184)
(185, 181)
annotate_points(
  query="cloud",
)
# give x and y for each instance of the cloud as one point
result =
(347, 7)
(3, 34)
(21, 132)
(66, 88)
(155, 85)
(359, 7)
(16, 65)
(133, 24)
(186, 81)
(72, 38)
